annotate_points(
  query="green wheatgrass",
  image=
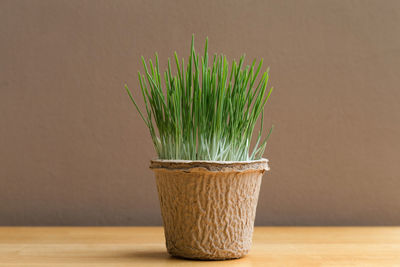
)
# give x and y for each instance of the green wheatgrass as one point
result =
(204, 112)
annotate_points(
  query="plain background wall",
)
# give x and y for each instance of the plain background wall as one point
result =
(73, 151)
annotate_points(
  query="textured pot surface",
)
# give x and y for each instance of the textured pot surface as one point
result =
(208, 207)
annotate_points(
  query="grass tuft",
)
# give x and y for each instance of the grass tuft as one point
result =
(206, 110)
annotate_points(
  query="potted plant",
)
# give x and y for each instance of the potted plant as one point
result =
(201, 121)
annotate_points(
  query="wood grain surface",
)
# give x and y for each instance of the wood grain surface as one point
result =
(144, 246)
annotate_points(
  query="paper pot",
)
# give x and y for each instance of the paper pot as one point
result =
(208, 207)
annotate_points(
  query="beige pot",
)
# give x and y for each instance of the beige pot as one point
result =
(208, 207)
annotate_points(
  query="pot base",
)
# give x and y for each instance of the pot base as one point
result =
(207, 257)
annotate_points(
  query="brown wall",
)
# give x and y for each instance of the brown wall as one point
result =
(75, 152)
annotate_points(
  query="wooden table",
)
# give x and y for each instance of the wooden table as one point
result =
(144, 246)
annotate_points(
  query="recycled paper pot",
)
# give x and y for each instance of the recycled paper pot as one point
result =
(208, 207)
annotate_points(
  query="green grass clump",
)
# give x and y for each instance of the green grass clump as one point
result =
(204, 112)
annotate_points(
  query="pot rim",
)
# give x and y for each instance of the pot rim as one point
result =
(209, 165)
(184, 161)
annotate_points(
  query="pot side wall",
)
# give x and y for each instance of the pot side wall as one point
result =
(208, 214)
